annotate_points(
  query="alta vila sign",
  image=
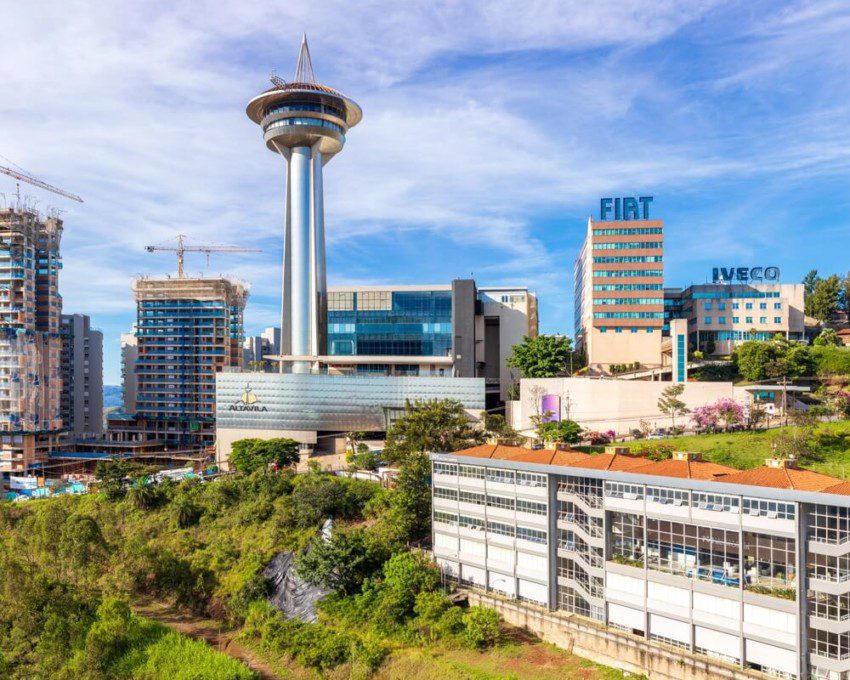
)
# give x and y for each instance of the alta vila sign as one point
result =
(247, 402)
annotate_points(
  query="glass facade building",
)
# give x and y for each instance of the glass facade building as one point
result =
(390, 323)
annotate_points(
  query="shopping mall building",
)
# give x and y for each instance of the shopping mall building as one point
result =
(729, 569)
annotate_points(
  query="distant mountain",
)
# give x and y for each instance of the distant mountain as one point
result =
(113, 396)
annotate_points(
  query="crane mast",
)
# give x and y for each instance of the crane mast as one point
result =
(181, 249)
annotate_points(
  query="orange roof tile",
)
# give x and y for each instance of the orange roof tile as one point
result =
(764, 476)
(781, 478)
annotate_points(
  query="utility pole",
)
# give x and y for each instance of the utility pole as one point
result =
(785, 398)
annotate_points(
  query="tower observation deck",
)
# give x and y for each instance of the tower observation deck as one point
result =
(306, 123)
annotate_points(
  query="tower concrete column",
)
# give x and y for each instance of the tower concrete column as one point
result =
(300, 258)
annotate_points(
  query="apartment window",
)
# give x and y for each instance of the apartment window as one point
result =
(472, 497)
(831, 645)
(467, 522)
(500, 502)
(762, 305)
(735, 305)
(675, 497)
(777, 305)
(828, 567)
(762, 319)
(500, 528)
(721, 319)
(618, 329)
(529, 534)
(627, 537)
(777, 319)
(445, 469)
(736, 319)
(445, 517)
(531, 479)
(441, 492)
(827, 606)
(829, 524)
(721, 306)
(531, 507)
(634, 330)
(769, 563)
(715, 502)
(748, 305)
(471, 471)
(500, 476)
(748, 319)
(650, 330)
(621, 490)
(602, 329)
(707, 320)
(758, 507)
(706, 306)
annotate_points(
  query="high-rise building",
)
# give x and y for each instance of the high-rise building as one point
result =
(619, 286)
(454, 329)
(30, 307)
(129, 382)
(82, 376)
(305, 123)
(187, 330)
(257, 347)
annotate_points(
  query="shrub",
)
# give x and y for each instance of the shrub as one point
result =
(481, 627)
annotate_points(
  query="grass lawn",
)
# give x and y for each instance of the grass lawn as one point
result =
(521, 656)
(749, 449)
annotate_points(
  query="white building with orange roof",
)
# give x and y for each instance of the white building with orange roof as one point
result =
(731, 569)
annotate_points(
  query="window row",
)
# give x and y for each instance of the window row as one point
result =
(617, 273)
(758, 507)
(627, 245)
(629, 231)
(628, 286)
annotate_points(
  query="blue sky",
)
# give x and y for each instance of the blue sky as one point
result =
(490, 132)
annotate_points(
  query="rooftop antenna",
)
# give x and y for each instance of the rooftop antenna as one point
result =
(304, 68)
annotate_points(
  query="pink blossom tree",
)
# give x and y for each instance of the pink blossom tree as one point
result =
(724, 410)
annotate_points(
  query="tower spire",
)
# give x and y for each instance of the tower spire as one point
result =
(304, 69)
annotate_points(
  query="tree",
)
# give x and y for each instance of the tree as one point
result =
(559, 431)
(545, 356)
(727, 411)
(409, 514)
(81, 541)
(776, 358)
(342, 562)
(247, 455)
(809, 281)
(845, 294)
(495, 426)
(114, 475)
(827, 338)
(669, 403)
(481, 627)
(436, 425)
(823, 301)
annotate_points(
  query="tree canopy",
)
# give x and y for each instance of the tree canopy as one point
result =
(435, 425)
(757, 360)
(670, 404)
(545, 356)
(247, 455)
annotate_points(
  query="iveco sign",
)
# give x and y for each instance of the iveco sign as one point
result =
(626, 208)
(744, 274)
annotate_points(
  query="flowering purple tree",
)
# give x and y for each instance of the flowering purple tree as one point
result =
(724, 410)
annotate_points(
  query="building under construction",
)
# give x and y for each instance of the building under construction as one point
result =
(30, 344)
(187, 330)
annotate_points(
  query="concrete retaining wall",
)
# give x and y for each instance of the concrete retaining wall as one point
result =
(610, 647)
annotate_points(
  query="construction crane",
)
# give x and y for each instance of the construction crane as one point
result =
(181, 248)
(20, 176)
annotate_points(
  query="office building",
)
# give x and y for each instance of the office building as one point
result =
(725, 567)
(455, 329)
(82, 376)
(129, 382)
(618, 281)
(30, 346)
(187, 330)
(720, 316)
(306, 124)
(256, 348)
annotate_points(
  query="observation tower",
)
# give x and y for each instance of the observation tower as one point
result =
(306, 123)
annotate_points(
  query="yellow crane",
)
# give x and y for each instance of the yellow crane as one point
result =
(21, 176)
(181, 248)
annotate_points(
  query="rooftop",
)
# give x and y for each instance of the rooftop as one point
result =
(681, 466)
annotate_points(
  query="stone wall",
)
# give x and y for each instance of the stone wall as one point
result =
(608, 646)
